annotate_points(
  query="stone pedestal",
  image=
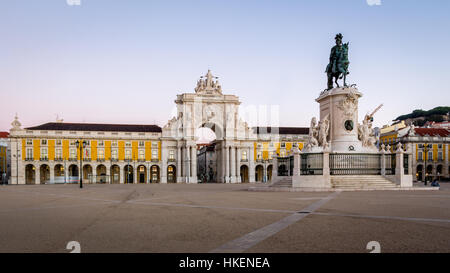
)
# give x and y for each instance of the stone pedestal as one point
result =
(341, 105)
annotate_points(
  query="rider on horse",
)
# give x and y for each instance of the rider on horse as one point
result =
(338, 66)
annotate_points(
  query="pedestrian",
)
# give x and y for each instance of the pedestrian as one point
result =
(435, 183)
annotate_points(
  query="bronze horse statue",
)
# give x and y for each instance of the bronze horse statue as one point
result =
(338, 66)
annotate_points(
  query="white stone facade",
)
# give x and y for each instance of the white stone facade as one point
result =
(207, 107)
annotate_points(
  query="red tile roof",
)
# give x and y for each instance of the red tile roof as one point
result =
(57, 126)
(4, 134)
(432, 132)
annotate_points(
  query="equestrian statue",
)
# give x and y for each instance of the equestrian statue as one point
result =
(338, 66)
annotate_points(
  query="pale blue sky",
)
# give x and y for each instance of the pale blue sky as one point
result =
(124, 61)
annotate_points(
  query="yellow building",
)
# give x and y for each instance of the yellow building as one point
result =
(430, 148)
(126, 153)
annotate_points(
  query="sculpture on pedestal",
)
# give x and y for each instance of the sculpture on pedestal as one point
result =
(324, 127)
(338, 66)
(366, 133)
(313, 134)
(206, 84)
(318, 134)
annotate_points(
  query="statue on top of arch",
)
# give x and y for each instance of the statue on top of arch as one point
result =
(206, 84)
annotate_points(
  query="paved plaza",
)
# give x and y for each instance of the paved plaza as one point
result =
(220, 218)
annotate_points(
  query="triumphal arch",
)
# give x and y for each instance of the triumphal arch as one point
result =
(209, 107)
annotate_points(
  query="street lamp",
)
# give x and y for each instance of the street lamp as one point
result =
(425, 152)
(81, 145)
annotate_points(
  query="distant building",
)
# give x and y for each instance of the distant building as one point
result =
(432, 124)
(5, 157)
(430, 149)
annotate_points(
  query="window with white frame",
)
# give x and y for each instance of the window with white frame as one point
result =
(141, 143)
(101, 143)
(44, 153)
(114, 143)
(128, 144)
(440, 155)
(420, 156)
(154, 154)
(73, 153)
(29, 153)
(114, 153)
(29, 142)
(259, 155)
(58, 142)
(244, 155)
(58, 153)
(127, 154)
(43, 142)
(141, 155)
(101, 154)
(171, 154)
(430, 155)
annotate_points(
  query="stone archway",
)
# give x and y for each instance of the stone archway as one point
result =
(100, 174)
(171, 174)
(74, 174)
(115, 174)
(87, 174)
(244, 174)
(59, 173)
(269, 172)
(419, 173)
(429, 172)
(44, 173)
(259, 173)
(129, 174)
(141, 173)
(209, 108)
(154, 174)
(30, 174)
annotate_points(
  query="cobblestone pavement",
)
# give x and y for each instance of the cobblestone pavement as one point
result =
(220, 218)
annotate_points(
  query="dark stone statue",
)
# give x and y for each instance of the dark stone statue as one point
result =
(338, 66)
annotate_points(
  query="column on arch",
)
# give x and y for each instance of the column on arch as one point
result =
(238, 164)
(163, 171)
(223, 164)
(179, 168)
(233, 164)
(37, 176)
(52, 173)
(108, 174)
(194, 164)
(121, 174)
(227, 164)
(251, 164)
(187, 164)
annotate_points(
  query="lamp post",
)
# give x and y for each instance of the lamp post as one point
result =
(425, 155)
(81, 145)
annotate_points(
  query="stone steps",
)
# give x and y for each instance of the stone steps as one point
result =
(361, 182)
(285, 182)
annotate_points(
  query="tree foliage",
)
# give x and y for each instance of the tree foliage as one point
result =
(429, 115)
